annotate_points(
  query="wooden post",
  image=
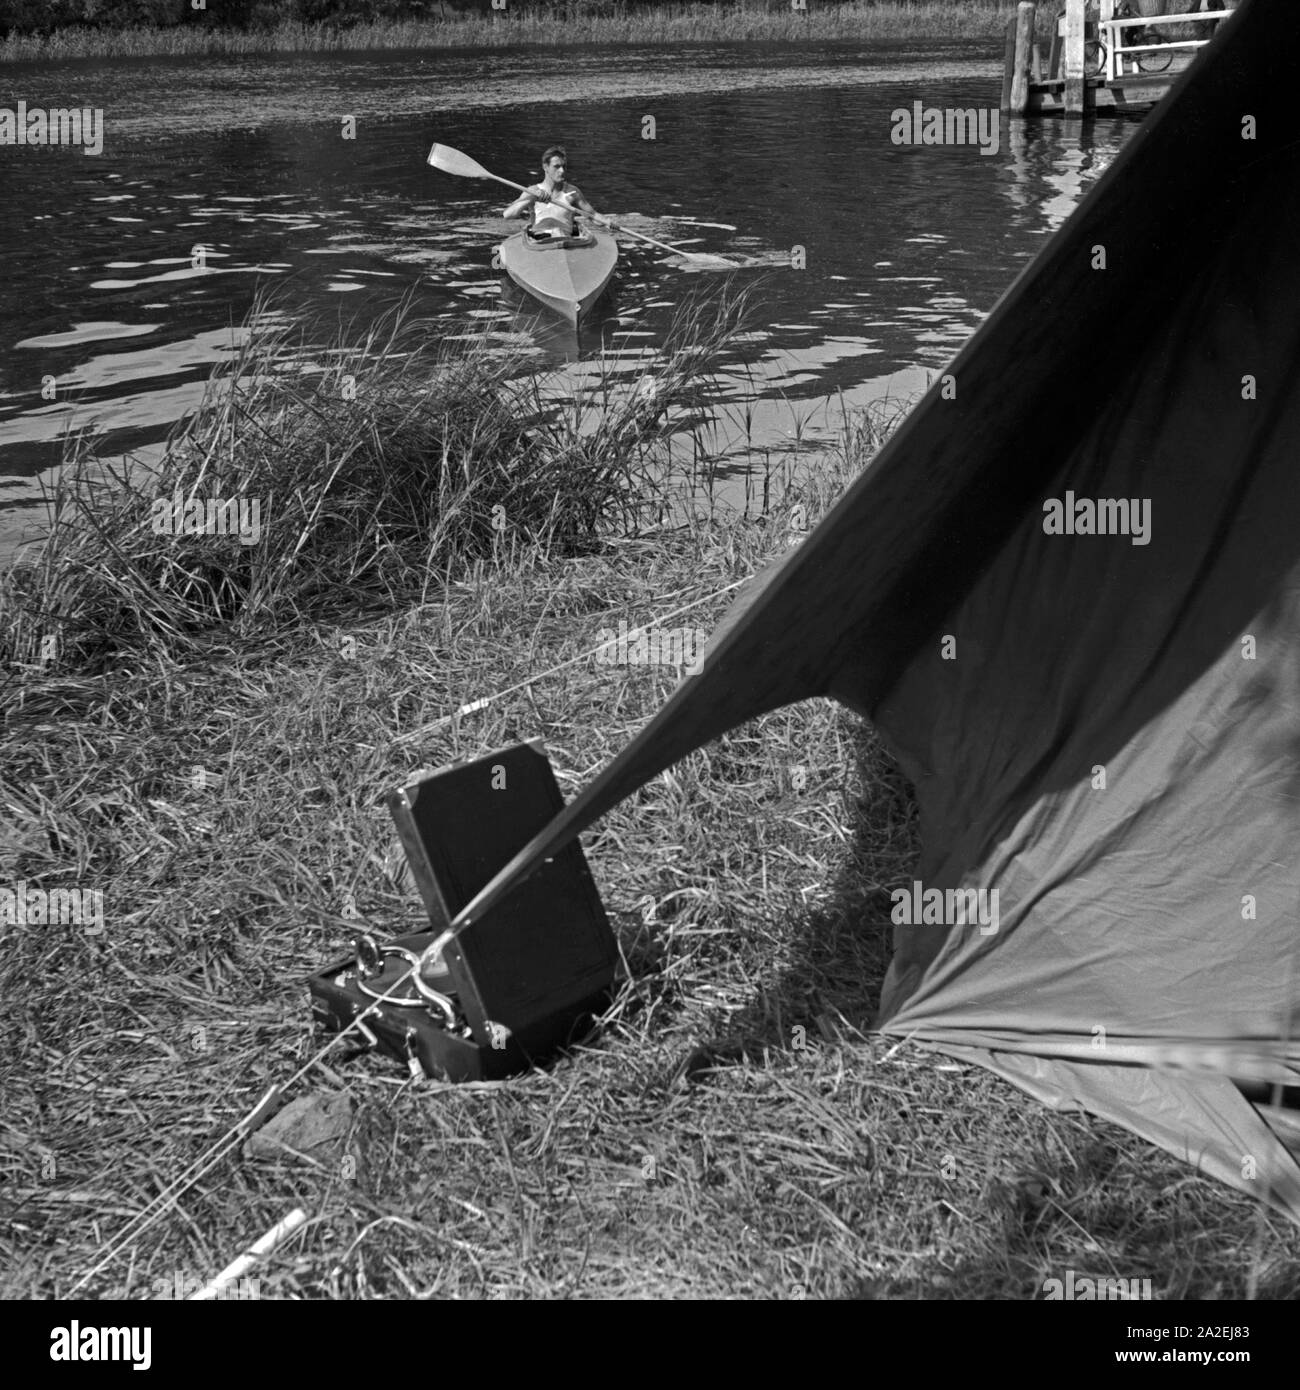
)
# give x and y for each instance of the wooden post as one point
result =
(1009, 64)
(1025, 13)
(1072, 57)
(1036, 67)
(1106, 11)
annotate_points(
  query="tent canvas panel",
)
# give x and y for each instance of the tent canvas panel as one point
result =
(1203, 1120)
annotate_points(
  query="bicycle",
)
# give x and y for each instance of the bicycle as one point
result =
(1096, 53)
(1148, 61)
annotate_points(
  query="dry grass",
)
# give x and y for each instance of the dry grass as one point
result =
(606, 24)
(733, 1129)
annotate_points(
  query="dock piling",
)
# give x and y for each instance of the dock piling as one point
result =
(1009, 62)
(1072, 52)
(1026, 13)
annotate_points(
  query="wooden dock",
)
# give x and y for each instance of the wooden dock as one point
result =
(1103, 56)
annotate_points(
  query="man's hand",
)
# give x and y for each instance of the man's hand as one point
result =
(541, 197)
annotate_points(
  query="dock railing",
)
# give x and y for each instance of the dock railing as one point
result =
(1140, 53)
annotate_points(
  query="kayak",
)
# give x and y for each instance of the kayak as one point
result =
(568, 276)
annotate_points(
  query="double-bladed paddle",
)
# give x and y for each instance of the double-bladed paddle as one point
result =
(452, 161)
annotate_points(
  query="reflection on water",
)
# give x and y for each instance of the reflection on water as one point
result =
(129, 274)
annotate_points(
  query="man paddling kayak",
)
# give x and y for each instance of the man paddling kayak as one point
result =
(553, 202)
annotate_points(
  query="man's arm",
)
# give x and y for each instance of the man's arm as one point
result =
(580, 202)
(524, 202)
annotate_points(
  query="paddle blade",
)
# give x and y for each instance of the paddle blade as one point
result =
(454, 162)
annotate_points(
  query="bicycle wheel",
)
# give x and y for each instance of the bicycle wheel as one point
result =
(1094, 58)
(1149, 61)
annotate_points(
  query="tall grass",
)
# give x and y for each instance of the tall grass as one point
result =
(374, 476)
(750, 20)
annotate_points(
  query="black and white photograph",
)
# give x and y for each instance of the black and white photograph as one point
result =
(649, 652)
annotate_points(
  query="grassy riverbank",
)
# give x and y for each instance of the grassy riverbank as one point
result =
(613, 24)
(213, 762)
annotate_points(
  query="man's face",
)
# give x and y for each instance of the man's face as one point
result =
(555, 169)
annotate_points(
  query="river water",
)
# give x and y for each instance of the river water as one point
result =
(109, 319)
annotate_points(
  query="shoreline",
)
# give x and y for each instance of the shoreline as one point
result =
(930, 21)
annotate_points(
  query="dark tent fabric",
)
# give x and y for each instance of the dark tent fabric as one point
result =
(1105, 729)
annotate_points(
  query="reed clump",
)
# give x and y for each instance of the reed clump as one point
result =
(311, 483)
